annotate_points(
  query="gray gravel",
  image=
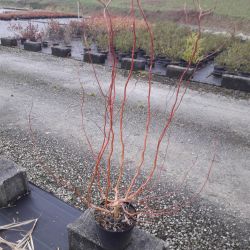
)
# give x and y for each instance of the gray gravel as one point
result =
(218, 219)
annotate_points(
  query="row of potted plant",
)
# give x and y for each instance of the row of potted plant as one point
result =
(171, 43)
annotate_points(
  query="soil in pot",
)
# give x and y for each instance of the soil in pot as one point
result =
(115, 233)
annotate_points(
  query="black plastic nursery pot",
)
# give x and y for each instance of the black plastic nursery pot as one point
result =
(148, 61)
(141, 52)
(183, 63)
(105, 52)
(8, 41)
(94, 57)
(45, 44)
(139, 64)
(86, 49)
(112, 240)
(163, 62)
(61, 51)
(122, 55)
(32, 46)
(244, 74)
(23, 40)
(219, 70)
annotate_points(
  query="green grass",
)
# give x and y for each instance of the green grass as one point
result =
(231, 8)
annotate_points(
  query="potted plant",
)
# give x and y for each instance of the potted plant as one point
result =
(29, 32)
(117, 203)
(235, 59)
(115, 199)
(55, 31)
(187, 54)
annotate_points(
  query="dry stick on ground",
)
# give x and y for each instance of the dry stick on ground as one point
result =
(26, 243)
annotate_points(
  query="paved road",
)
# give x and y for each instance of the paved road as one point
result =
(209, 121)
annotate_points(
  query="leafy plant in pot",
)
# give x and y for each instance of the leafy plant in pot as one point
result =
(110, 195)
(27, 32)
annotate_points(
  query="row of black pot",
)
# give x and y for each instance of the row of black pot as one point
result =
(45, 44)
(158, 61)
(162, 61)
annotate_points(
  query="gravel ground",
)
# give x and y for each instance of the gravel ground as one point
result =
(218, 219)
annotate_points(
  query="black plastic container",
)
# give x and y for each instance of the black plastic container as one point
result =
(219, 70)
(183, 63)
(111, 240)
(163, 62)
(141, 52)
(45, 44)
(86, 49)
(122, 55)
(23, 40)
(244, 74)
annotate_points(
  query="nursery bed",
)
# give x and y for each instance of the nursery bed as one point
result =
(53, 217)
(30, 14)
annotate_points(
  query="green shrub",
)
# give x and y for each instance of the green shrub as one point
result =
(102, 41)
(190, 47)
(236, 57)
(55, 31)
(211, 43)
(170, 39)
(124, 41)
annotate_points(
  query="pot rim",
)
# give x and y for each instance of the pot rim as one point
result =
(130, 227)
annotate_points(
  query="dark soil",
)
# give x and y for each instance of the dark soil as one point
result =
(123, 223)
